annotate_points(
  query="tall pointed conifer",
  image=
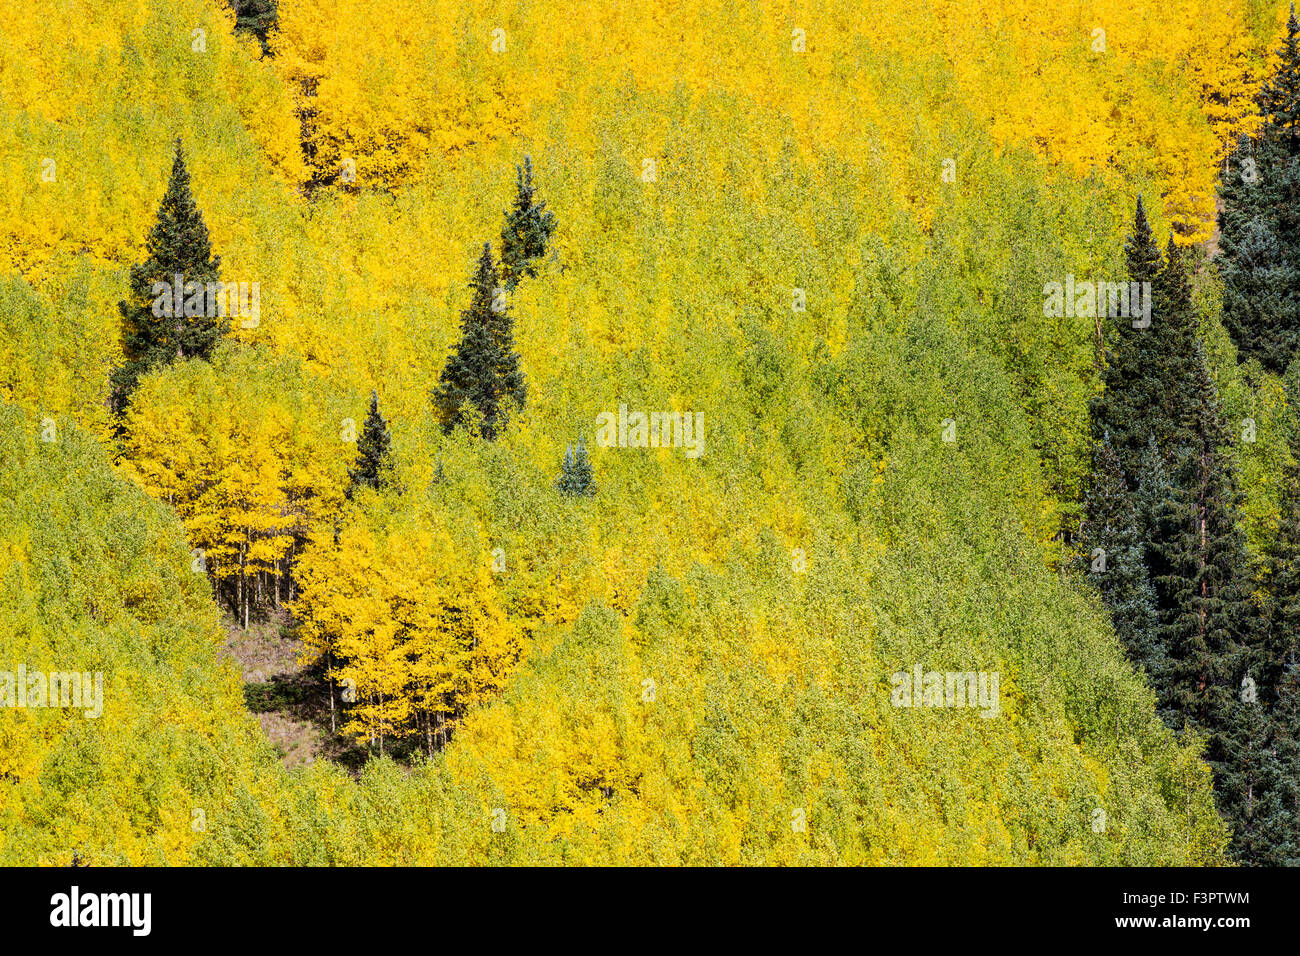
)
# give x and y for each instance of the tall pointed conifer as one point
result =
(159, 327)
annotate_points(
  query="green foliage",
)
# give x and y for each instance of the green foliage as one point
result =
(1254, 790)
(686, 685)
(96, 577)
(1282, 643)
(1198, 632)
(1148, 358)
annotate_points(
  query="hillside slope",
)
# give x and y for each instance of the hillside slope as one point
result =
(696, 662)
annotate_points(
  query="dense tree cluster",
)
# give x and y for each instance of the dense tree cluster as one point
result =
(679, 662)
(256, 523)
(1260, 222)
(1164, 530)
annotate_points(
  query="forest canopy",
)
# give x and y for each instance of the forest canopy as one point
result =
(474, 230)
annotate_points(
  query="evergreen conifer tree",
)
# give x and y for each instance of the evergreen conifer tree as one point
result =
(1279, 686)
(1260, 222)
(1210, 627)
(1113, 554)
(1286, 742)
(157, 330)
(1210, 624)
(1123, 411)
(1260, 308)
(1279, 98)
(374, 457)
(1283, 636)
(1242, 193)
(483, 374)
(1252, 788)
(512, 388)
(527, 229)
(575, 472)
(256, 17)
(1172, 354)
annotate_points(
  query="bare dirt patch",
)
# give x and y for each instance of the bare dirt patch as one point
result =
(291, 702)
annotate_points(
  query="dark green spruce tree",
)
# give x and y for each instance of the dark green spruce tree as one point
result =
(527, 229)
(1173, 357)
(1253, 789)
(1283, 634)
(1260, 222)
(1280, 666)
(1115, 562)
(1163, 404)
(1210, 656)
(1122, 414)
(1159, 510)
(512, 388)
(1279, 98)
(482, 379)
(575, 472)
(155, 329)
(1211, 625)
(256, 17)
(1261, 310)
(1286, 743)
(374, 456)
(1243, 195)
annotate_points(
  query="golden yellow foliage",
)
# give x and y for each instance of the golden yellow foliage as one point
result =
(409, 622)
